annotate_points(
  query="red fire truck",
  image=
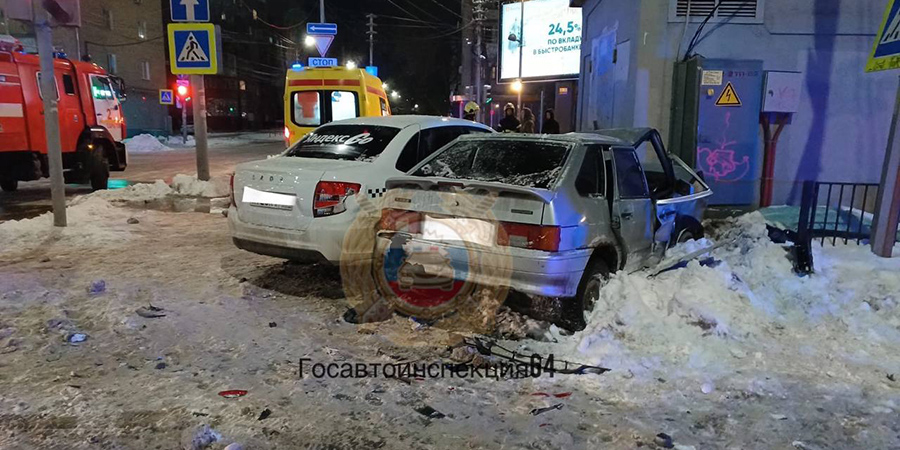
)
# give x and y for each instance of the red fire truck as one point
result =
(91, 122)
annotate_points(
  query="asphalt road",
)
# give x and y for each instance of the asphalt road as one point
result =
(33, 198)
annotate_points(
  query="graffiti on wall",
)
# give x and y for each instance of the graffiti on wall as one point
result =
(721, 163)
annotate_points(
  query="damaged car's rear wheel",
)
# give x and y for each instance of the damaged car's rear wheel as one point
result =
(596, 275)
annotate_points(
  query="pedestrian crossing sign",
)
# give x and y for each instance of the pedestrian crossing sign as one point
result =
(193, 48)
(886, 51)
(166, 97)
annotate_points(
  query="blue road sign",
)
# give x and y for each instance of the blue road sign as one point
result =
(189, 10)
(322, 62)
(166, 97)
(193, 48)
(329, 29)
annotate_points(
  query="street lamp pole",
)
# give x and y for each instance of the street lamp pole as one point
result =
(521, 44)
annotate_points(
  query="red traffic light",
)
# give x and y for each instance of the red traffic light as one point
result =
(182, 90)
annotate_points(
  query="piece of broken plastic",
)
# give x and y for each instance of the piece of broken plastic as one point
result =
(75, 338)
(97, 287)
(233, 393)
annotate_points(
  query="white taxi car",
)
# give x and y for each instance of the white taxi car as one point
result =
(300, 204)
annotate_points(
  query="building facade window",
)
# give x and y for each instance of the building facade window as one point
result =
(108, 19)
(145, 70)
(142, 29)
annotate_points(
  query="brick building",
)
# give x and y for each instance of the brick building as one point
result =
(125, 37)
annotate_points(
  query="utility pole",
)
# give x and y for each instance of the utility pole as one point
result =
(184, 121)
(321, 11)
(478, 10)
(521, 51)
(198, 99)
(44, 37)
(371, 34)
(887, 203)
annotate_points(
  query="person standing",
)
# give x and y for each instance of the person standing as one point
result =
(509, 123)
(528, 125)
(471, 111)
(551, 126)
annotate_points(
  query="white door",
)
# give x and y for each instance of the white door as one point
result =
(106, 106)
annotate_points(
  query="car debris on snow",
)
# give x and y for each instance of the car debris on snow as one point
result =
(97, 287)
(150, 312)
(489, 347)
(200, 438)
(539, 411)
(663, 440)
(233, 393)
(430, 412)
(75, 338)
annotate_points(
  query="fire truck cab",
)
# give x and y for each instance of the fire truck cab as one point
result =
(91, 120)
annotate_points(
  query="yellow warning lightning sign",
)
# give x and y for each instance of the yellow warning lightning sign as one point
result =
(729, 97)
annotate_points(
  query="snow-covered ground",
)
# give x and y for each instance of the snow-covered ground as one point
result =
(744, 354)
(146, 143)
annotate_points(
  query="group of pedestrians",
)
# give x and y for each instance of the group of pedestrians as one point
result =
(511, 124)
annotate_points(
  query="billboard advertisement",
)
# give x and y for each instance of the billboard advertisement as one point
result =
(550, 44)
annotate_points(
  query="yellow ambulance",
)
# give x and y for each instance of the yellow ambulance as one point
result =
(316, 96)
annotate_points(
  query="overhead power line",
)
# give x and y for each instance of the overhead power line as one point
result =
(437, 2)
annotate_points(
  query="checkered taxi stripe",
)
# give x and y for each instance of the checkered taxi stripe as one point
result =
(375, 193)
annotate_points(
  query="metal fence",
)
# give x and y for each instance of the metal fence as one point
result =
(836, 211)
(830, 212)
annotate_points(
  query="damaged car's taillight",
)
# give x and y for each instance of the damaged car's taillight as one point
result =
(534, 237)
(330, 196)
(400, 220)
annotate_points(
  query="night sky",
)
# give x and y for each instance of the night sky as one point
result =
(416, 49)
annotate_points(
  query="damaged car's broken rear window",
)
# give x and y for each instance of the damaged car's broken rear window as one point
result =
(522, 163)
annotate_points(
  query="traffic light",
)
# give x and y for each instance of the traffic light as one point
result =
(183, 90)
(488, 97)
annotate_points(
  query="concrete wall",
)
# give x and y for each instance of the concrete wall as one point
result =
(840, 131)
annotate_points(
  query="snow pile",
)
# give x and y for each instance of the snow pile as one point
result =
(229, 140)
(90, 220)
(145, 143)
(745, 305)
(191, 186)
(141, 192)
(178, 142)
(182, 185)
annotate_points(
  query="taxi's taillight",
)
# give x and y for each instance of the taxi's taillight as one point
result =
(534, 237)
(287, 136)
(329, 197)
(400, 220)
